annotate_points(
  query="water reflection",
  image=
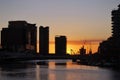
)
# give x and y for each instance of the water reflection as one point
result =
(55, 70)
(52, 75)
(37, 72)
(15, 71)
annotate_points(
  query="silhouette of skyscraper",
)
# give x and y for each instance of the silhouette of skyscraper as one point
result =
(116, 23)
(44, 40)
(110, 48)
(60, 45)
(19, 36)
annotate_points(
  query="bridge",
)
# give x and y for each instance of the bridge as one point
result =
(39, 57)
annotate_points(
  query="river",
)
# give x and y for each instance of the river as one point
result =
(55, 70)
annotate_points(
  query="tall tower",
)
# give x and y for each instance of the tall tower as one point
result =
(60, 45)
(44, 40)
(110, 48)
(116, 23)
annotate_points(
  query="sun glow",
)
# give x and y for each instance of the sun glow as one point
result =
(74, 46)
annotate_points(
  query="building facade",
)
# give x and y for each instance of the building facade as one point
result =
(110, 48)
(19, 36)
(44, 40)
(60, 45)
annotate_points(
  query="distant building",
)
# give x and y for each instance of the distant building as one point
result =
(44, 40)
(19, 36)
(90, 51)
(60, 45)
(82, 51)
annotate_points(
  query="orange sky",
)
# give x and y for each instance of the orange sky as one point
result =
(76, 45)
(78, 20)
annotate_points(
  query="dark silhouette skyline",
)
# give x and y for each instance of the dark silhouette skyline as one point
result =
(60, 45)
(82, 51)
(108, 54)
(110, 48)
(19, 36)
(44, 40)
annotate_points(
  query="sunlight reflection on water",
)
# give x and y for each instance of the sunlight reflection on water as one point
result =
(63, 70)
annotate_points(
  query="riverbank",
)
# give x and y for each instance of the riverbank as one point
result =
(97, 60)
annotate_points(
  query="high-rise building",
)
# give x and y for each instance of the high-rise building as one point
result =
(19, 36)
(116, 23)
(110, 48)
(60, 45)
(44, 40)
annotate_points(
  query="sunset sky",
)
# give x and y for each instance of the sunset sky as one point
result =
(80, 20)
